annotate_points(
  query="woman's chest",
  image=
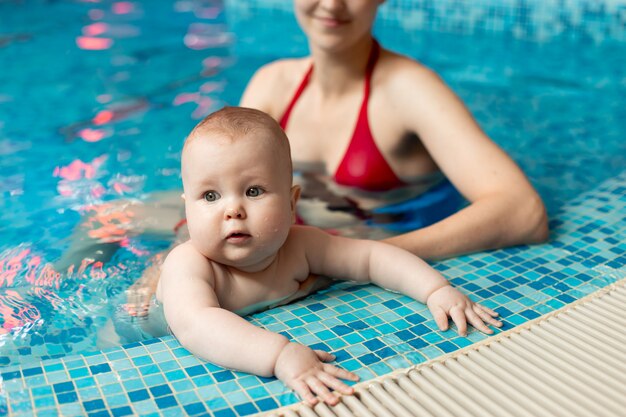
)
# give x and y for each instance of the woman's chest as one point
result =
(365, 139)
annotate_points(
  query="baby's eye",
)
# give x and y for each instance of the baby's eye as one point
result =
(211, 196)
(254, 191)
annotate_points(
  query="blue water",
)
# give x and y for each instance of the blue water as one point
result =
(83, 127)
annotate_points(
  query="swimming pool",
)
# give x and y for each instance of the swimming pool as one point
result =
(94, 105)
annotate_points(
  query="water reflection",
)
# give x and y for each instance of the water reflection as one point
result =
(120, 101)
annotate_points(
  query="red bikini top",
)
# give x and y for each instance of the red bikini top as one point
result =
(363, 165)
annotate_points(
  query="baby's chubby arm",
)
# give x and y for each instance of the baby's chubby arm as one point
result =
(195, 317)
(193, 313)
(369, 261)
(395, 269)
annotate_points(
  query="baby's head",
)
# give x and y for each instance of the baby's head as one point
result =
(237, 181)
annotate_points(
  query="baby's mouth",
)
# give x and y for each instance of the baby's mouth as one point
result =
(238, 237)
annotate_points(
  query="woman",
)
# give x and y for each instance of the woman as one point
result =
(382, 122)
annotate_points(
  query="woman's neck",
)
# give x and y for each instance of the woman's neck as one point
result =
(336, 72)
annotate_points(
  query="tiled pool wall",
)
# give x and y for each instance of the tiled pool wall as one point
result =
(536, 20)
(371, 331)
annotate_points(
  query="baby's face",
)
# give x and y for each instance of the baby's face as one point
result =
(238, 198)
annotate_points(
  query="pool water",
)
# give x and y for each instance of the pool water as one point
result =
(96, 98)
(95, 105)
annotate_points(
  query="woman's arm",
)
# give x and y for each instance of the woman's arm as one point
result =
(504, 208)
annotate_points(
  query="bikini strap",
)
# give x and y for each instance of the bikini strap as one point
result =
(363, 165)
(307, 77)
(285, 119)
(178, 225)
(371, 63)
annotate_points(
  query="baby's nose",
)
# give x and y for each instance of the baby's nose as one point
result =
(235, 213)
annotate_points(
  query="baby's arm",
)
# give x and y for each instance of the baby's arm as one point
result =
(202, 326)
(395, 269)
(193, 313)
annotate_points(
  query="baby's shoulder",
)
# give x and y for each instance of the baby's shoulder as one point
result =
(184, 250)
(303, 238)
(300, 231)
(185, 258)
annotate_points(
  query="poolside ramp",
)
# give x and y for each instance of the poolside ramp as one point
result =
(568, 363)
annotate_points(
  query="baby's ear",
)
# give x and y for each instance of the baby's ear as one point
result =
(295, 195)
(182, 196)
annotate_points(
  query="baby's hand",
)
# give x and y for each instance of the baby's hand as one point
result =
(304, 370)
(448, 301)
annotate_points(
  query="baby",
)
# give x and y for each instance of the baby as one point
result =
(245, 253)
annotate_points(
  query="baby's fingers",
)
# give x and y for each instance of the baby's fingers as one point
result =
(322, 391)
(335, 384)
(477, 322)
(441, 318)
(485, 310)
(324, 356)
(336, 372)
(303, 390)
(340, 373)
(458, 317)
(487, 315)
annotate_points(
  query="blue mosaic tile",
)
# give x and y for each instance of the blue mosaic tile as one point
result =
(160, 390)
(63, 387)
(122, 411)
(196, 408)
(43, 402)
(165, 402)
(97, 369)
(32, 371)
(67, 397)
(93, 405)
(138, 395)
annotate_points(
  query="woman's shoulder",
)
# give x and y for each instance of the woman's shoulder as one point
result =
(283, 67)
(280, 73)
(272, 78)
(398, 69)
(407, 83)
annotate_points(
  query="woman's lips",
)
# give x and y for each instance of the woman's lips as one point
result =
(331, 22)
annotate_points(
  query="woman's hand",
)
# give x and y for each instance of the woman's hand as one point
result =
(449, 302)
(304, 370)
(140, 294)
